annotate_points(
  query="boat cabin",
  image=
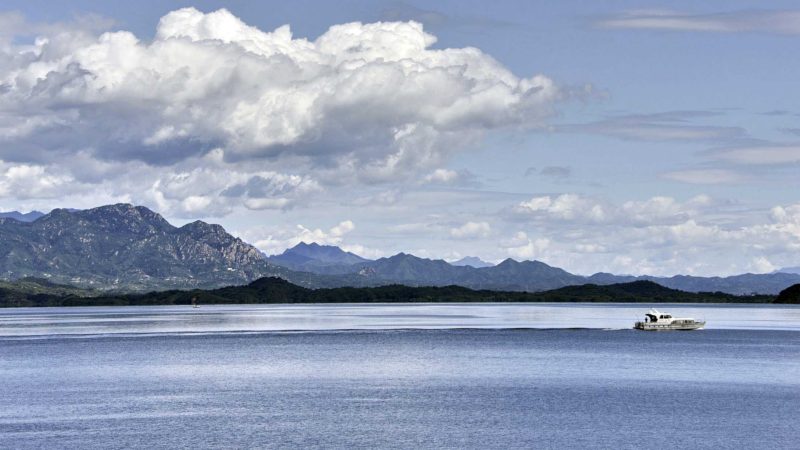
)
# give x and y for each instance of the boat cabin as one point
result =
(653, 316)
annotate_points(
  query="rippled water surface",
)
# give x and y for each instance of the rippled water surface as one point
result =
(430, 376)
(238, 318)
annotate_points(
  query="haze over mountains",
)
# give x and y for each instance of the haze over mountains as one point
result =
(795, 270)
(129, 247)
(472, 261)
(22, 217)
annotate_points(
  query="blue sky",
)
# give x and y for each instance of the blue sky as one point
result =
(627, 137)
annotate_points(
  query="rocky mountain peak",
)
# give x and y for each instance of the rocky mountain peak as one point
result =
(313, 256)
(508, 262)
(126, 245)
(472, 261)
(200, 228)
(121, 218)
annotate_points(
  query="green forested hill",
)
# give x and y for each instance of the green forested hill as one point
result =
(790, 295)
(276, 290)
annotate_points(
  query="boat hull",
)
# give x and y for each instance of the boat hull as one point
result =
(644, 326)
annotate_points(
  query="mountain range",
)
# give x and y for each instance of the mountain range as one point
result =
(124, 246)
(131, 248)
(317, 258)
(510, 275)
(537, 276)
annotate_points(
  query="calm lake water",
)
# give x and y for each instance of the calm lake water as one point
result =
(430, 376)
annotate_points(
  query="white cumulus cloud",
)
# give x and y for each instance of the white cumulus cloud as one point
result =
(374, 101)
(471, 230)
(520, 246)
(658, 236)
(582, 209)
(442, 176)
(564, 207)
(274, 240)
(29, 181)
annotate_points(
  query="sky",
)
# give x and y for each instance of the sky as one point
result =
(627, 137)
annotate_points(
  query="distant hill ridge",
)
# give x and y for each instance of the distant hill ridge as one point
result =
(277, 290)
(472, 261)
(790, 295)
(314, 257)
(533, 276)
(22, 217)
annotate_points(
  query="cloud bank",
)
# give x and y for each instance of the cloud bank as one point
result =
(369, 103)
(658, 235)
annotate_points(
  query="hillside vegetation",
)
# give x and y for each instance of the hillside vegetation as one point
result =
(276, 290)
(790, 295)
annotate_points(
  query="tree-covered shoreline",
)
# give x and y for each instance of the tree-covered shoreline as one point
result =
(37, 293)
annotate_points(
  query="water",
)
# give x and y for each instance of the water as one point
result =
(431, 376)
(138, 320)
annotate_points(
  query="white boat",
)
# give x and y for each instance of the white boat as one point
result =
(659, 321)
